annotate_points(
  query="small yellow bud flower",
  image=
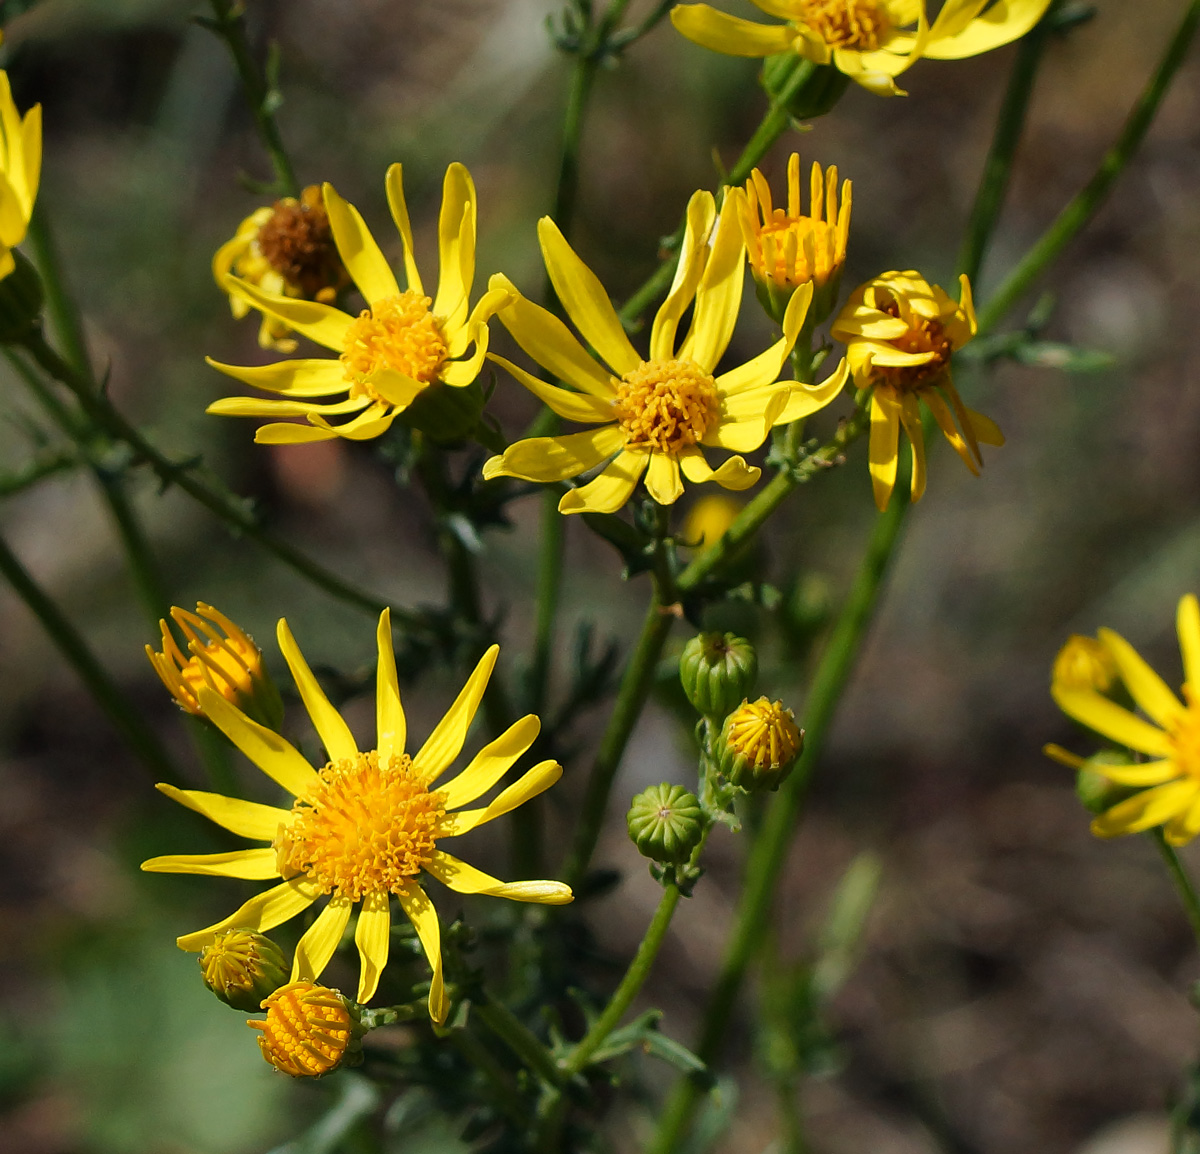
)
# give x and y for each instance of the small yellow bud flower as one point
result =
(708, 518)
(788, 248)
(1084, 663)
(242, 968)
(227, 661)
(309, 1030)
(759, 744)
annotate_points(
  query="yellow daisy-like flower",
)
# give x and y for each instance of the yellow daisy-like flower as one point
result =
(900, 332)
(397, 347)
(287, 249)
(871, 41)
(363, 827)
(20, 171)
(1169, 783)
(653, 414)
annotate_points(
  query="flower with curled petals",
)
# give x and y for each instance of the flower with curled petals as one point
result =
(366, 826)
(1168, 784)
(900, 332)
(653, 415)
(871, 41)
(401, 344)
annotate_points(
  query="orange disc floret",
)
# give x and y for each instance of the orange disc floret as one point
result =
(309, 1030)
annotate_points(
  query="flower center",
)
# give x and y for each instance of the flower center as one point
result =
(665, 406)
(307, 1030)
(298, 243)
(399, 333)
(1184, 732)
(362, 828)
(923, 336)
(858, 24)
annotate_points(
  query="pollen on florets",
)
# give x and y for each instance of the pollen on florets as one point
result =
(309, 1030)
(857, 24)
(297, 241)
(362, 827)
(666, 406)
(399, 333)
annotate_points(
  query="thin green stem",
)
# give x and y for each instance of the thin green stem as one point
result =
(125, 718)
(44, 465)
(261, 94)
(566, 195)
(1183, 883)
(60, 305)
(520, 1040)
(1081, 209)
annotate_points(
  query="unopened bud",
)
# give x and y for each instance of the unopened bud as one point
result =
(310, 1030)
(242, 968)
(718, 672)
(759, 744)
(665, 823)
(1084, 663)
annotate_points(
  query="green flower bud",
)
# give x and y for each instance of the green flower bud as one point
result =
(758, 746)
(665, 823)
(1095, 791)
(243, 968)
(718, 672)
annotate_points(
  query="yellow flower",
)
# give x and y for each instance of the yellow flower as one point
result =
(20, 170)
(1171, 738)
(1084, 663)
(759, 744)
(363, 827)
(899, 332)
(223, 657)
(655, 414)
(309, 1030)
(287, 249)
(708, 518)
(786, 247)
(871, 41)
(400, 345)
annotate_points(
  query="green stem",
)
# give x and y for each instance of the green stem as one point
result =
(229, 24)
(43, 465)
(1183, 883)
(566, 196)
(769, 849)
(506, 1096)
(520, 1040)
(63, 313)
(125, 718)
(1080, 210)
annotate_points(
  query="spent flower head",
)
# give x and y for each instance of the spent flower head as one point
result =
(364, 827)
(900, 332)
(871, 41)
(653, 416)
(309, 1030)
(400, 345)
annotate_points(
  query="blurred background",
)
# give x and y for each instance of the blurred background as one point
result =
(1020, 986)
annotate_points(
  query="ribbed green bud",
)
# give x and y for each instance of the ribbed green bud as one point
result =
(718, 672)
(20, 301)
(665, 823)
(243, 968)
(758, 746)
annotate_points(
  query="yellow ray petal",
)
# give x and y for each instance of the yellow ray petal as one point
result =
(446, 741)
(360, 254)
(245, 818)
(585, 300)
(396, 202)
(250, 864)
(608, 492)
(701, 212)
(460, 373)
(274, 755)
(732, 474)
(731, 35)
(299, 378)
(374, 422)
(1187, 625)
(1147, 809)
(258, 407)
(1111, 721)
(986, 431)
(804, 400)
(321, 323)
(1186, 826)
(719, 296)
(1004, 22)
(663, 481)
(1146, 773)
(263, 912)
(588, 410)
(318, 943)
(287, 433)
(491, 763)
(910, 417)
(883, 448)
(945, 419)
(556, 458)
(390, 726)
(372, 936)
(1144, 685)
(331, 727)
(456, 245)
(766, 367)
(746, 419)
(415, 902)
(466, 879)
(537, 780)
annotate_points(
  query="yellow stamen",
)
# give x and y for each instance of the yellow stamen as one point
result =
(363, 828)
(399, 333)
(307, 1030)
(666, 406)
(858, 24)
